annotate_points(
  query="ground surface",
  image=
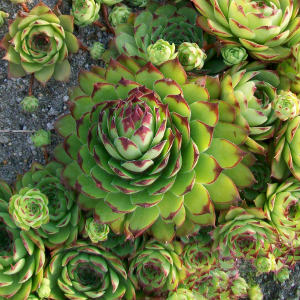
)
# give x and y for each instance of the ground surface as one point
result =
(17, 151)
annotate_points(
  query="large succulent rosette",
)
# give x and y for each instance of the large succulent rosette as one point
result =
(39, 42)
(285, 157)
(174, 23)
(157, 268)
(243, 233)
(142, 146)
(65, 220)
(282, 207)
(84, 271)
(251, 89)
(22, 255)
(268, 29)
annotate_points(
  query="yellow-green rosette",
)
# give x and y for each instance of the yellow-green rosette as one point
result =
(161, 52)
(29, 208)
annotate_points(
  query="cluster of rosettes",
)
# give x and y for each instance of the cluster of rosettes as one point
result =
(166, 174)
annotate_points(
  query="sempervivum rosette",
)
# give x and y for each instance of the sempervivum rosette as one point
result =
(282, 207)
(243, 233)
(39, 42)
(142, 145)
(173, 23)
(22, 254)
(157, 268)
(251, 89)
(266, 28)
(85, 12)
(84, 271)
(64, 221)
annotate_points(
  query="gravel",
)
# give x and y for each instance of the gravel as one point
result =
(17, 151)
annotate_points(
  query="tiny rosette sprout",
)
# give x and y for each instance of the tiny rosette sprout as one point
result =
(22, 254)
(110, 2)
(29, 208)
(233, 55)
(265, 264)
(119, 15)
(95, 231)
(85, 12)
(158, 268)
(255, 293)
(3, 15)
(85, 271)
(140, 3)
(267, 29)
(39, 42)
(44, 289)
(191, 56)
(30, 104)
(66, 221)
(181, 294)
(243, 233)
(160, 52)
(97, 50)
(282, 206)
(286, 105)
(283, 275)
(41, 138)
(239, 287)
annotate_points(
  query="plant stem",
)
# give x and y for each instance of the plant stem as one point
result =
(25, 8)
(30, 85)
(100, 25)
(208, 46)
(44, 149)
(83, 47)
(105, 15)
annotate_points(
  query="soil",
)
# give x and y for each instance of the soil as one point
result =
(16, 126)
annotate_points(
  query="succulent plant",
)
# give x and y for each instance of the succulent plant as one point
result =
(282, 207)
(286, 150)
(261, 170)
(110, 2)
(148, 164)
(160, 52)
(243, 233)
(41, 138)
(119, 15)
(181, 294)
(233, 55)
(157, 268)
(97, 50)
(39, 42)
(3, 15)
(171, 22)
(30, 104)
(18, 1)
(239, 287)
(85, 12)
(22, 254)
(267, 29)
(283, 275)
(95, 231)
(84, 271)
(32, 297)
(44, 289)
(265, 264)
(286, 105)
(191, 56)
(251, 89)
(29, 208)
(65, 217)
(140, 3)
(255, 293)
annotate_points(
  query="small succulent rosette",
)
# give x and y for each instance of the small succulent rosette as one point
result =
(85, 12)
(39, 42)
